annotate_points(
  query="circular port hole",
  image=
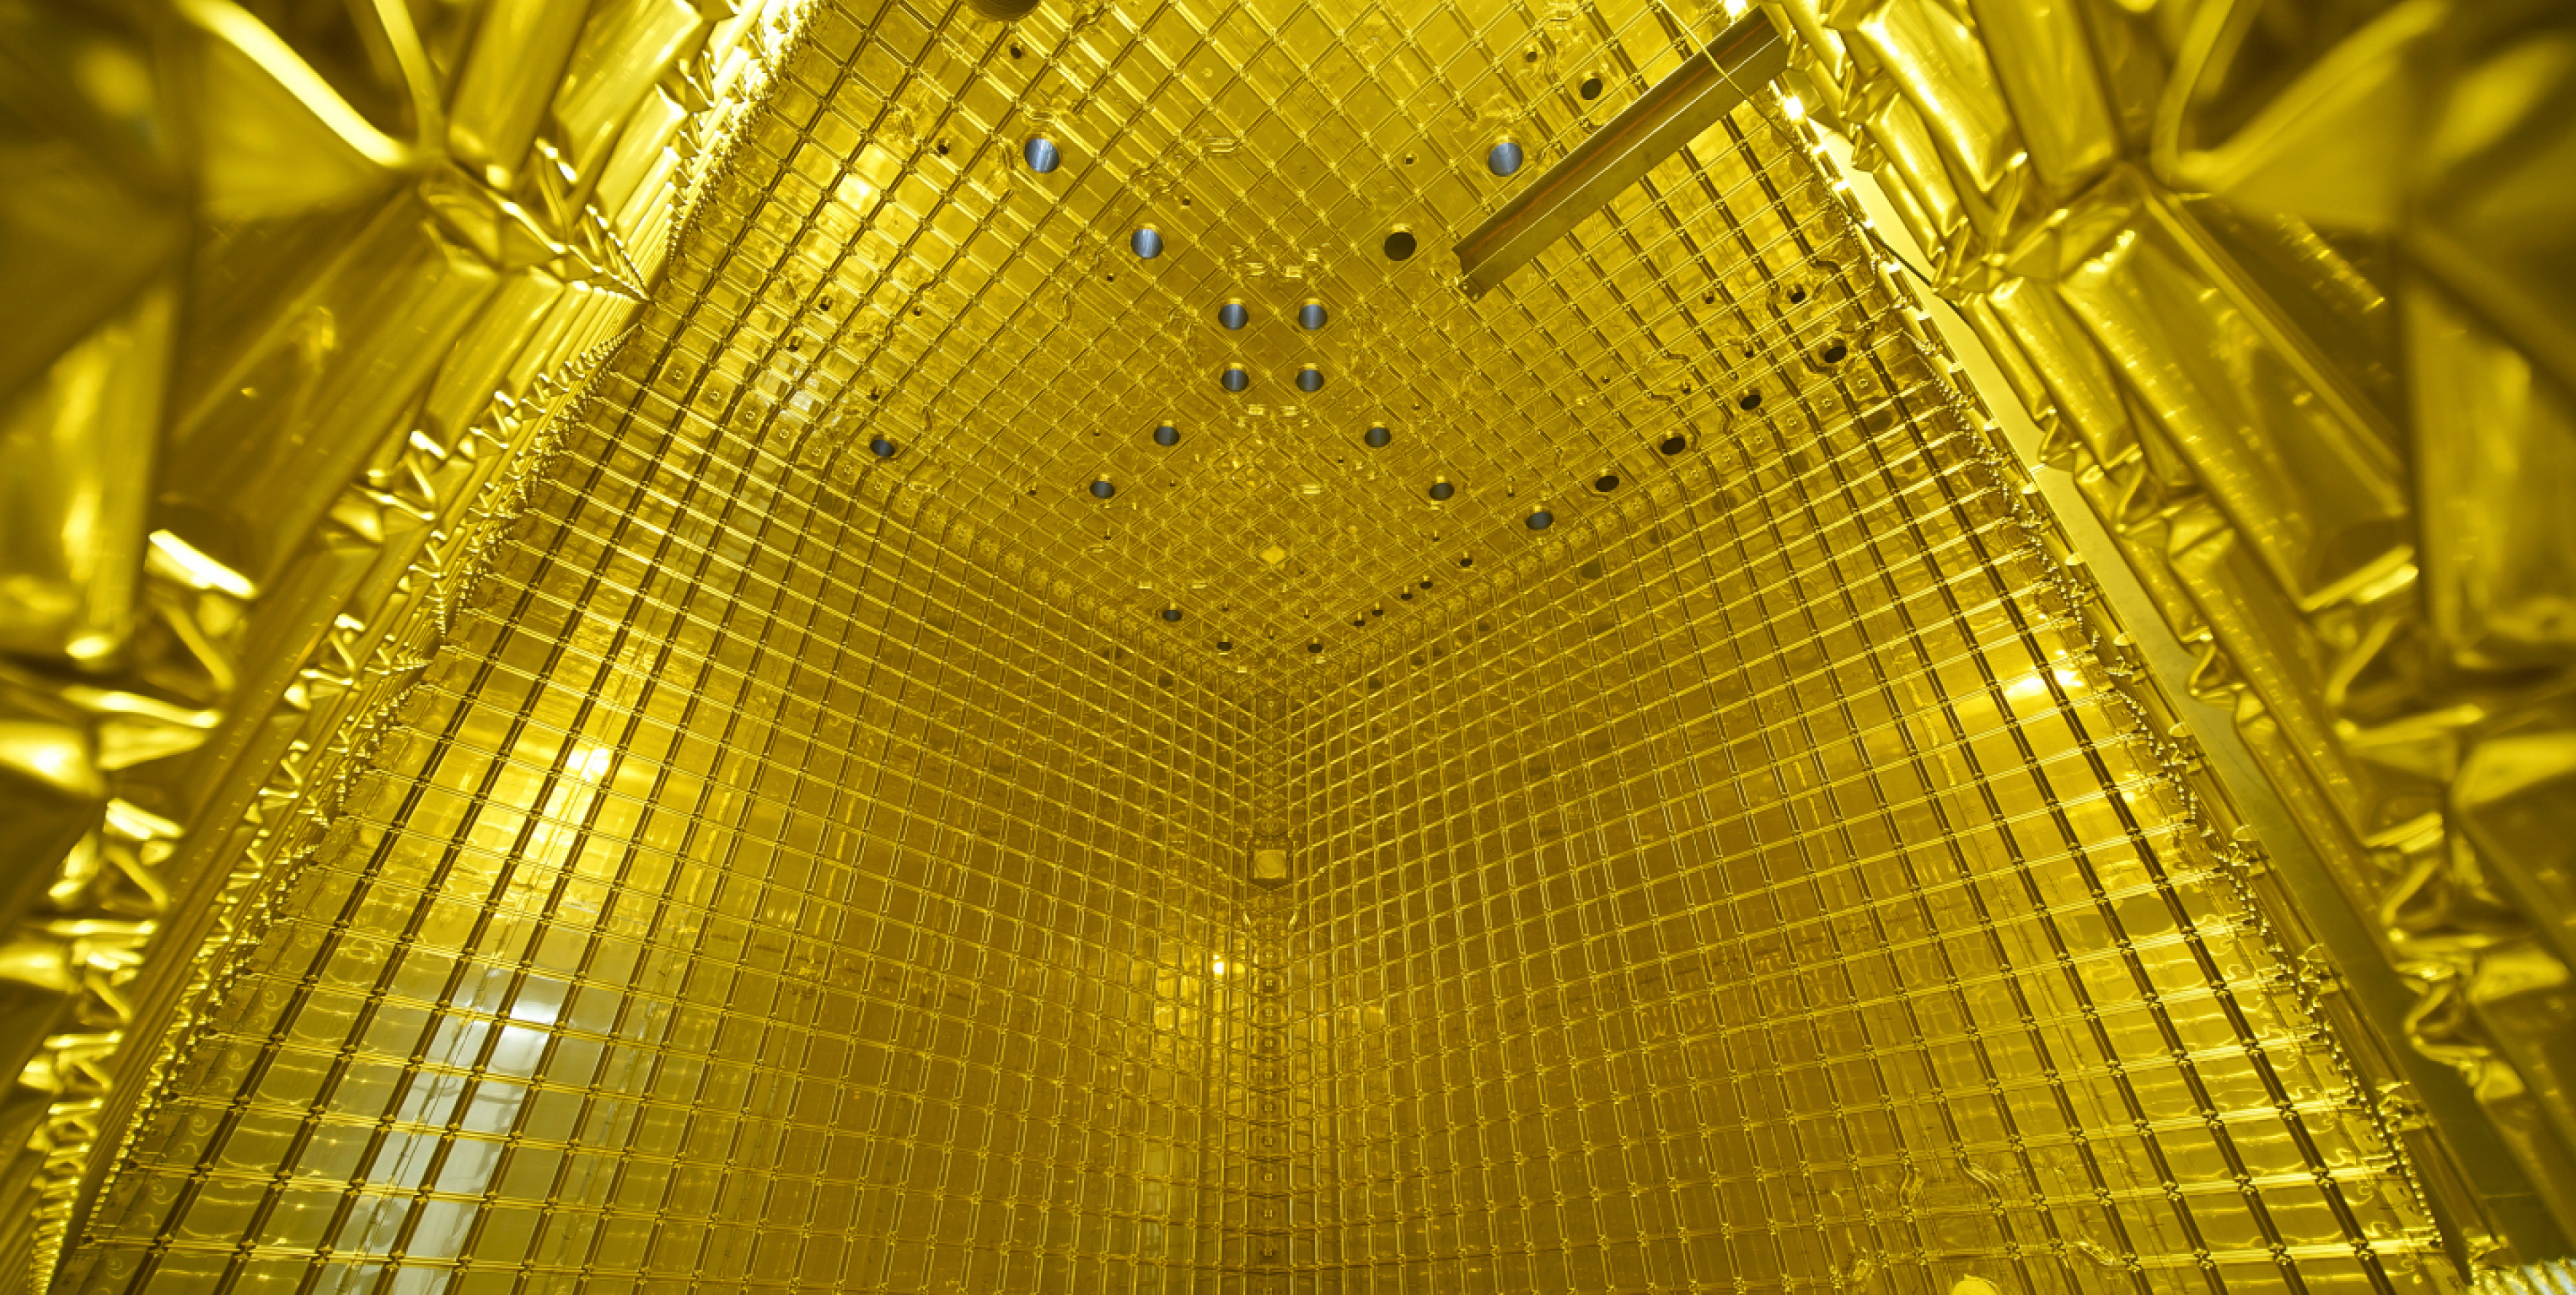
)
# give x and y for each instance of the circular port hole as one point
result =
(1605, 483)
(1672, 445)
(1400, 245)
(1749, 400)
(1442, 490)
(1590, 89)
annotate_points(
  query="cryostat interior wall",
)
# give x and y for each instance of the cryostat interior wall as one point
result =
(1769, 890)
(758, 892)
(779, 882)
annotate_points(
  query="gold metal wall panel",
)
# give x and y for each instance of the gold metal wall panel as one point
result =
(1719, 846)
(756, 890)
(1772, 891)
(271, 347)
(2229, 247)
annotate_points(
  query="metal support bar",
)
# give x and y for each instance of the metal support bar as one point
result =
(1703, 89)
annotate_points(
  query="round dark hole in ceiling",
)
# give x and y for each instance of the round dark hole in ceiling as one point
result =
(1591, 87)
(881, 447)
(1235, 377)
(1233, 314)
(1167, 435)
(1833, 352)
(1749, 400)
(1042, 155)
(1400, 245)
(1172, 614)
(1606, 482)
(1442, 490)
(1102, 490)
(1378, 438)
(1310, 379)
(1540, 520)
(1506, 157)
(1672, 445)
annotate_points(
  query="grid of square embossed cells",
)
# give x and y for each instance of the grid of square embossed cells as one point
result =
(1761, 892)
(924, 303)
(803, 870)
(759, 893)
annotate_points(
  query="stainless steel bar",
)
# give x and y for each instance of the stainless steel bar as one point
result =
(1671, 114)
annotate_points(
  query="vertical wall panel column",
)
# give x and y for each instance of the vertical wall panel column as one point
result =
(759, 893)
(1769, 893)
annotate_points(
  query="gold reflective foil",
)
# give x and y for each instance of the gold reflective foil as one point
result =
(608, 687)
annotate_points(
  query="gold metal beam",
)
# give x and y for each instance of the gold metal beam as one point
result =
(1703, 89)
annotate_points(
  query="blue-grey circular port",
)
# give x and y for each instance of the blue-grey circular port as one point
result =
(1311, 316)
(1378, 437)
(1505, 158)
(1102, 490)
(1172, 614)
(1233, 315)
(1146, 242)
(1541, 520)
(881, 447)
(1167, 435)
(1442, 490)
(1042, 155)
(1235, 377)
(1310, 379)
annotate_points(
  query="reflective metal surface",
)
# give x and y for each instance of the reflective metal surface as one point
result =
(606, 682)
